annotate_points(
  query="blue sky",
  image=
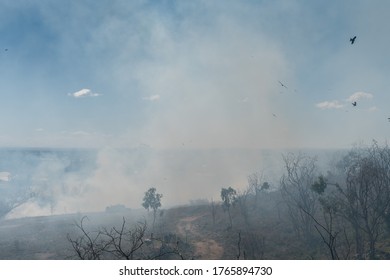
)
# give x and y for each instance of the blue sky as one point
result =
(194, 74)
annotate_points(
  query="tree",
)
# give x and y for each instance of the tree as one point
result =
(361, 198)
(251, 244)
(242, 200)
(326, 229)
(255, 186)
(152, 200)
(125, 243)
(297, 192)
(89, 245)
(265, 186)
(213, 208)
(229, 198)
(365, 197)
(320, 185)
(332, 227)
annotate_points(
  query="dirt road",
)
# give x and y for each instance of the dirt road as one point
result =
(206, 248)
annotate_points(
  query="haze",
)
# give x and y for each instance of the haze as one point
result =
(201, 88)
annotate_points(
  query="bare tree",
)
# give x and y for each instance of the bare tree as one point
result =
(254, 246)
(332, 222)
(257, 185)
(89, 245)
(297, 193)
(243, 201)
(365, 197)
(254, 184)
(239, 246)
(327, 231)
(213, 208)
(125, 243)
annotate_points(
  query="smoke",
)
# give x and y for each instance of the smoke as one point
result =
(66, 181)
(197, 88)
(217, 88)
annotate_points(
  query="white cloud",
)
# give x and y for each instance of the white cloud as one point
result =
(152, 97)
(85, 92)
(5, 176)
(329, 105)
(335, 104)
(359, 95)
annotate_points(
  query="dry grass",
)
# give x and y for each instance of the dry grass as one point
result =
(265, 234)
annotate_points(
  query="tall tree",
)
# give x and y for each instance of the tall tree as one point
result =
(152, 200)
(229, 198)
(296, 188)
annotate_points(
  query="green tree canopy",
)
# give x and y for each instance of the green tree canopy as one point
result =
(152, 200)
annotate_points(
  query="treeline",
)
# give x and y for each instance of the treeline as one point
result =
(347, 209)
(340, 213)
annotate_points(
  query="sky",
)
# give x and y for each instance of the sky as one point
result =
(194, 74)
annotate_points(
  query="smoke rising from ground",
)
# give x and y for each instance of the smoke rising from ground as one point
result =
(84, 181)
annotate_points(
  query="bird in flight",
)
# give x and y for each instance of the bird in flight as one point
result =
(283, 85)
(354, 104)
(352, 40)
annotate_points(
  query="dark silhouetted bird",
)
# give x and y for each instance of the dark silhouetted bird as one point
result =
(354, 104)
(282, 84)
(352, 40)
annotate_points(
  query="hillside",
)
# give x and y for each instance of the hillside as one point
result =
(263, 235)
(264, 232)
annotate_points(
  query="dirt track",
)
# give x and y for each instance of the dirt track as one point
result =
(205, 248)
